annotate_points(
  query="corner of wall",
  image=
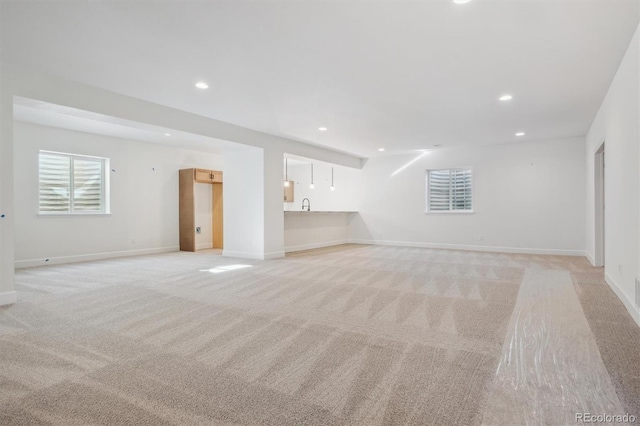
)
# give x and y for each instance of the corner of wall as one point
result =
(8, 298)
(633, 310)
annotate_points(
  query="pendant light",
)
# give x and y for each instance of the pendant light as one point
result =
(333, 188)
(286, 172)
(312, 185)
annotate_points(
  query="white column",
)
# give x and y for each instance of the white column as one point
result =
(244, 203)
(7, 287)
(273, 203)
(253, 212)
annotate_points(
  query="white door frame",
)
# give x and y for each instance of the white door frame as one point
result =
(599, 213)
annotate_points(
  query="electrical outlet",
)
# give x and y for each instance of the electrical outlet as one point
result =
(481, 237)
(620, 269)
(198, 230)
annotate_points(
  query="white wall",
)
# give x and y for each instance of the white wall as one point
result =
(618, 125)
(144, 197)
(343, 198)
(528, 197)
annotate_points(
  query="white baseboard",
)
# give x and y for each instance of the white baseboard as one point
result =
(590, 258)
(252, 255)
(274, 255)
(242, 254)
(314, 245)
(633, 310)
(8, 298)
(93, 256)
(519, 250)
(204, 246)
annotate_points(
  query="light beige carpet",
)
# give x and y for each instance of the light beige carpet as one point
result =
(349, 335)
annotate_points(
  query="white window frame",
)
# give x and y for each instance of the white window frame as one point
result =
(105, 193)
(428, 193)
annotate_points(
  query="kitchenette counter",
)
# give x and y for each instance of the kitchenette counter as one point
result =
(305, 230)
(316, 212)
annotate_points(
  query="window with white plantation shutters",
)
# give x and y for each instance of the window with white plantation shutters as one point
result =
(449, 190)
(72, 184)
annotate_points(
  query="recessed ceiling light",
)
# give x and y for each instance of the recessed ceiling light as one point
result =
(461, 1)
(381, 149)
(167, 134)
(202, 85)
(520, 134)
(322, 129)
(506, 97)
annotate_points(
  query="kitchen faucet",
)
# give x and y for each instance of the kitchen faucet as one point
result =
(308, 204)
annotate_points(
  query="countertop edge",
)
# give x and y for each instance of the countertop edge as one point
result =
(317, 212)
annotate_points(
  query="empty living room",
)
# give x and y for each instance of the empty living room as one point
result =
(319, 212)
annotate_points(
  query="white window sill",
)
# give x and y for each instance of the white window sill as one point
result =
(73, 214)
(450, 212)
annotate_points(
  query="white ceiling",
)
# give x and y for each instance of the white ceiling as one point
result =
(403, 75)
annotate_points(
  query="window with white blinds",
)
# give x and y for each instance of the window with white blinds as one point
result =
(72, 184)
(449, 190)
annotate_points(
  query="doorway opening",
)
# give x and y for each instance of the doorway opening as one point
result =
(599, 187)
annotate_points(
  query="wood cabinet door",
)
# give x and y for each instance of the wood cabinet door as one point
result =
(217, 176)
(288, 192)
(202, 175)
